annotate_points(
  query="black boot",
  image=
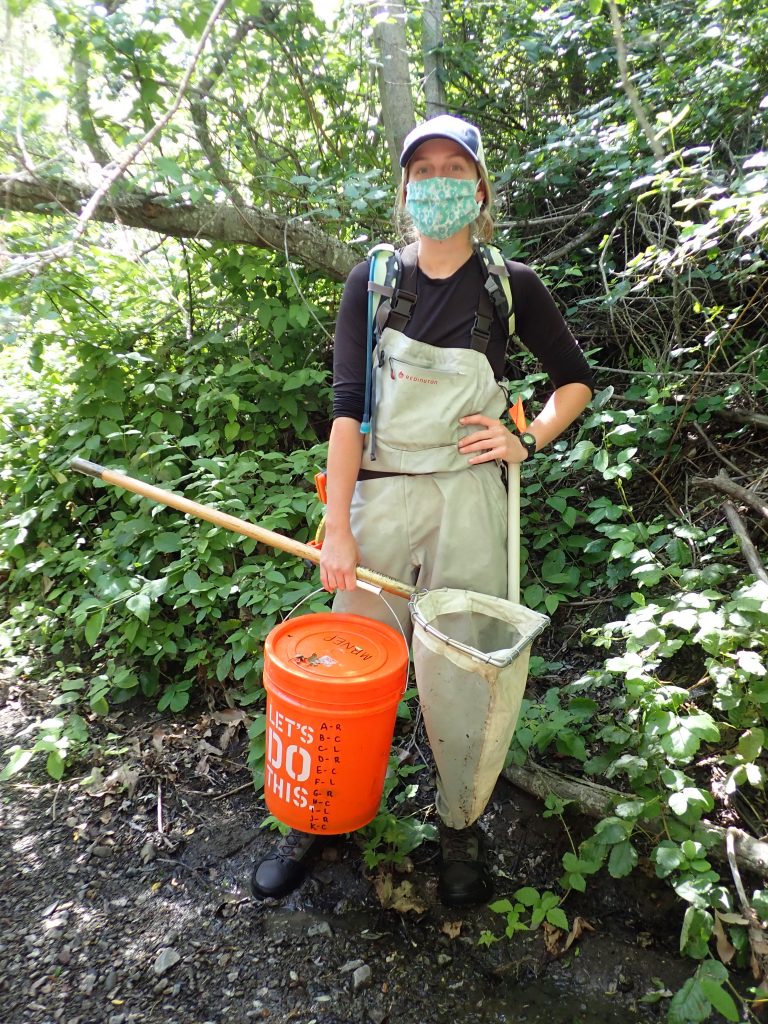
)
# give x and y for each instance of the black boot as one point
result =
(464, 875)
(282, 870)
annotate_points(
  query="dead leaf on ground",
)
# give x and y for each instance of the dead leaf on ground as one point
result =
(452, 928)
(401, 898)
(552, 936)
(230, 716)
(725, 950)
(580, 925)
(203, 747)
(123, 779)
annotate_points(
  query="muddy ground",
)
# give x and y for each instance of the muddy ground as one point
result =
(128, 901)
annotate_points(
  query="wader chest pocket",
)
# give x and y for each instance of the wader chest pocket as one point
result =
(418, 405)
(415, 373)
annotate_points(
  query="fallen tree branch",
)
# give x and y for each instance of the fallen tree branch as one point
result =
(755, 419)
(748, 549)
(599, 801)
(755, 929)
(594, 229)
(726, 486)
(218, 222)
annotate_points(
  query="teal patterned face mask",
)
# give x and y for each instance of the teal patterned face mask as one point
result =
(439, 207)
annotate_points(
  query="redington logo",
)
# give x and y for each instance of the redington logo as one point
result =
(416, 380)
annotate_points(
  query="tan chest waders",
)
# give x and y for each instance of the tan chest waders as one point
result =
(441, 525)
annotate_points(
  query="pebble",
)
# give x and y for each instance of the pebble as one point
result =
(351, 965)
(88, 983)
(165, 960)
(322, 928)
(361, 978)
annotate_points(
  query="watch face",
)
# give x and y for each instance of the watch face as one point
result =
(528, 441)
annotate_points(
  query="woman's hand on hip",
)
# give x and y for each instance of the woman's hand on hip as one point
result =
(490, 441)
(339, 557)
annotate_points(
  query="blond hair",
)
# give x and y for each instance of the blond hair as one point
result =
(482, 230)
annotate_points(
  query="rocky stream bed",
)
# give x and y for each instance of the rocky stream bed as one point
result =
(126, 902)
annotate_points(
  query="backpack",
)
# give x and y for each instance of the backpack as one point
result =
(392, 296)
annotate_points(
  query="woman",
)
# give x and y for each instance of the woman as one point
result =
(420, 495)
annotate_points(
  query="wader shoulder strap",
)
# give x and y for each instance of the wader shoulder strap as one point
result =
(481, 328)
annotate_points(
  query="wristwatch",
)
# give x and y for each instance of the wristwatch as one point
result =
(528, 441)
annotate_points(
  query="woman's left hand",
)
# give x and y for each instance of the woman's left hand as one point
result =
(491, 441)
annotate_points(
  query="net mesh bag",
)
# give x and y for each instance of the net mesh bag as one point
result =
(471, 653)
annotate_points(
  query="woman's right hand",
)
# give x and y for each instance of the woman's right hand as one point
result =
(339, 557)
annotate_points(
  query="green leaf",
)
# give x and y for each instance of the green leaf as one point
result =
(720, 999)
(697, 929)
(94, 626)
(168, 168)
(139, 604)
(54, 765)
(168, 542)
(179, 700)
(622, 860)
(689, 1005)
(192, 581)
(18, 761)
(537, 916)
(557, 917)
(714, 970)
(223, 666)
(501, 907)
(528, 896)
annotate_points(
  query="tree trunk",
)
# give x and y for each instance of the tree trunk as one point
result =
(434, 68)
(296, 237)
(598, 802)
(394, 77)
(629, 87)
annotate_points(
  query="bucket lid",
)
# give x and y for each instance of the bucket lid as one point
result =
(359, 655)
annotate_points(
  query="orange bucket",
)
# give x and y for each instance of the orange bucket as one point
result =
(333, 685)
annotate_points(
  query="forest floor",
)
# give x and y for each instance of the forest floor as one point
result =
(126, 901)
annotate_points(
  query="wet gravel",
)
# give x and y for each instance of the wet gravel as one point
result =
(126, 902)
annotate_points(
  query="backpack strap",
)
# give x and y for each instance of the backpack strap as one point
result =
(399, 291)
(392, 288)
(381, 259)
(497, 285)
